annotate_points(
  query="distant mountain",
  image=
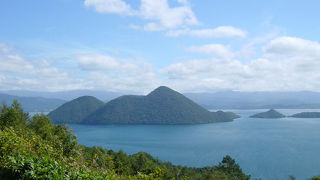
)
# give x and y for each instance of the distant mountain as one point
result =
(269, 114)
(76, 110)
(217, 100)
(33, 104)
(161, 106)
(257, 100)
(67, 95)
(307, 115)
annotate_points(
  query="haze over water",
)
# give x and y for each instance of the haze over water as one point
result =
(265, 148)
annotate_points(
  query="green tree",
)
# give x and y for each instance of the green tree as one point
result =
(13, 116)
(41, 124)
(231, 169)
(316, 178)
(68, 141)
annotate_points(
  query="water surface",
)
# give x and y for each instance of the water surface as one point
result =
(264, 148)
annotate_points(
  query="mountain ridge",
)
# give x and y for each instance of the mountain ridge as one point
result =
(161, 106)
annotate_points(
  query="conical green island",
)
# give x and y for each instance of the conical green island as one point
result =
(271, 114)
(76, 110)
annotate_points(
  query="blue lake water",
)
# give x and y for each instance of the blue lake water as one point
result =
(264, 148)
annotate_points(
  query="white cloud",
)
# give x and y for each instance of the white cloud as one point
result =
(293, 46)
(17, 72)
(217, 50)
(160, 16)
(165, 16)
(15, 64)
(4, 48)
(104, 63)
(110, 6)
(183, 1)
(86, 71)
(288, 64)
(285, 63)
(157, 11)
(252, 48)
(219, 32)
(106, 72)
(97, 62)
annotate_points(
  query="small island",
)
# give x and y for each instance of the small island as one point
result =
(307, 115)
(271, 114)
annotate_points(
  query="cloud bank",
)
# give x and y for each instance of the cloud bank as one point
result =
(285, 64)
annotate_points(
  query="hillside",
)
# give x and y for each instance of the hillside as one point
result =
(307, 115)
(76, 110)
(33, 104)
(269, 114)
(161, 106)
(66, 95)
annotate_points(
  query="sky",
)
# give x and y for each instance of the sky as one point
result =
(138, 45)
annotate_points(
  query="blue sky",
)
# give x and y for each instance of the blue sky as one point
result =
(137, 45)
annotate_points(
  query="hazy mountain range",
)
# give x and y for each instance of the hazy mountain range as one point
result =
(33, 104)
(257, 100)
(216, 100)
(66, 95)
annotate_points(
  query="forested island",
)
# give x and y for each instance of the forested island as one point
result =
(272, 114)
(307, 115)
(162, 106)
(76, 110)
(34, 148)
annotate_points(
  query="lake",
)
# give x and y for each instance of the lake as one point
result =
(264, 148)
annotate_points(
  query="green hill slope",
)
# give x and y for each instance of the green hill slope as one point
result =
(269, 114)
(161, 106)
(76, 110)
